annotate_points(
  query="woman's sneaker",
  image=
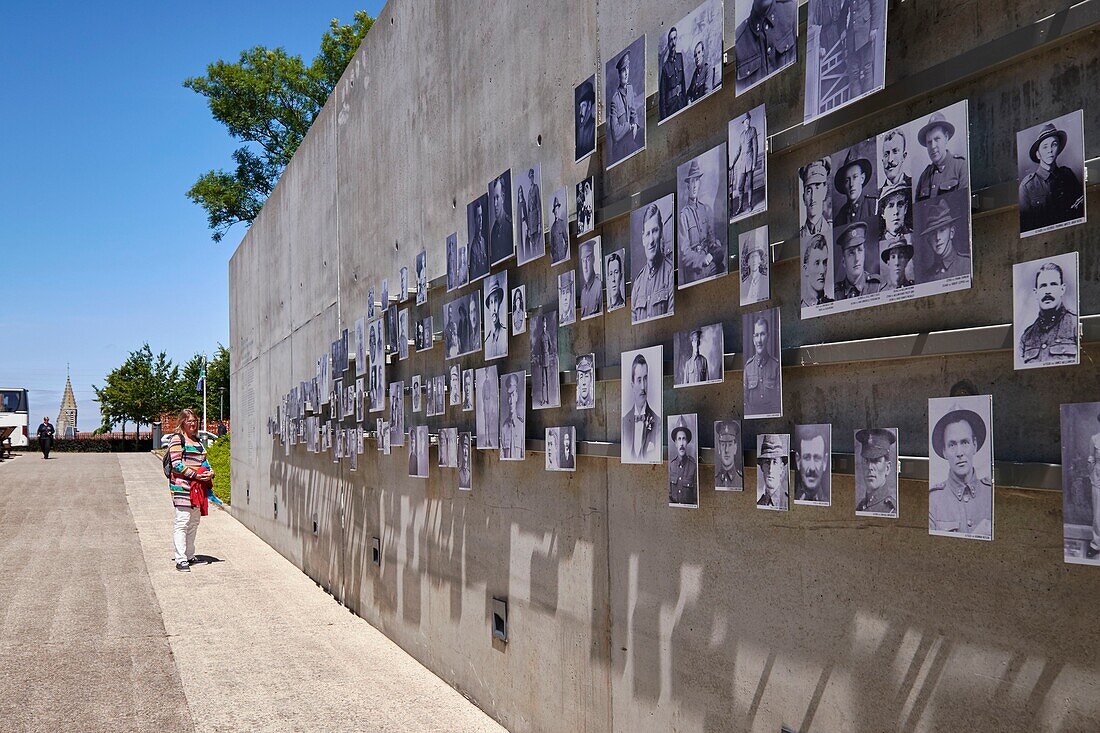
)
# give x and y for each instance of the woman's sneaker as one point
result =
(183, 566)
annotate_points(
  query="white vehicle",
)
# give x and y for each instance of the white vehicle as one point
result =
(14, 411)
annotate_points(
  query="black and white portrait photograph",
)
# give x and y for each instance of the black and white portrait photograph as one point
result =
(624, 92)
(586, 207)
(387, 438)
(877, 472)
(397, 413)
(403, 334)
(467, 390)
(1050, 165)
(642, 409)
(747, 164)
(360, 347)
(755, 265)
(845, 54)
(813, 479)
(477, 237)
(513, 416)
(941, 158)
(652, 261)
(1045, 328)
(701, 216)
(376, 383)
(698, 356)
(487, 416)
(689, 60)
(586, 382)
(614, 270)
(584, 119)
(942, 239)
(960, 466)
(458, 264)
(559, 227)
(424, 338)
(773, 477)
(760, 343)
(415, 391)
(561, 444)
(1081, 483)
(465, 462)
(495, 316)
(360, 392)
(421, 277)
(855, 220)
(590, 277)
(385, 293)
(436, 400)
(403, 293)
(815, 234)
(391, 329)
(765, 39)
(501, 242)
(567, 298)
(448, 447)
(370, 304)
(729, 459)
(518, 309)
(454, 385)
(683, 461)
(462, 325)
(545, 379)
(418, 451)
(527, 207)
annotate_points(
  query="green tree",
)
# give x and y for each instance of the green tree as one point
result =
(139, 390)
(217, 376)
(268, 99)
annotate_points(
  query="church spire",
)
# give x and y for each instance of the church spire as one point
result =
(66, 419)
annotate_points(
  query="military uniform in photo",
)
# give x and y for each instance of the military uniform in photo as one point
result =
(592, 288)
(683, 470)
(961, 504)
(1051, 194)
(936, 215)
(771, 493)
(743, 152)
(1052, 337)
(728, 470)
(653, 292)
(876, 444)
(850, 237)
(671, 84)
(766, 41)
(950, 174)
(625, 114)
(702, 255)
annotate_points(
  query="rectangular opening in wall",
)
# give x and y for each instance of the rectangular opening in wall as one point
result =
(376, 551)
(315, 525)
(500, 619)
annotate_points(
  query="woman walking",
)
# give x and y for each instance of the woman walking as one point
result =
(190, 480)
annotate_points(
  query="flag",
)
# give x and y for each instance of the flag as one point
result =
(202, 377)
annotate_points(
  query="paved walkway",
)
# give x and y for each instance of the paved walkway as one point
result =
(249, 643)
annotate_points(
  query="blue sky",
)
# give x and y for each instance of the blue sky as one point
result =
(100, 251)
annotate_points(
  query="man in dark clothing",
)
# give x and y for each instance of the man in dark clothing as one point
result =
(672, 89)
(1051, 194)
(45, 437)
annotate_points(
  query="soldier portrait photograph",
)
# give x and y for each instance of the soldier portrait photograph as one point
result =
(855, 196)
(701, 217)
(467, 390)
(689, 60)
(454, 385)
(624, 95)
(1050, 164)
(614, 274)
(550, 443)
(385, 293)
(815, 234)
(360, 347)
(747, 164)
(586, 382)
(567, 298)
(896, 253)
(942, 238)
(545, 380)
(813, 446)
(652, 261)
(458, 266)
(729, 460)
(765, 39)
(586, 207)
(698, 356)
(845, 53)
(513, 416)
(436, 400)
(584, 119)
(421, 267)
(424, 338)
(559, 227)
(754, 264)
(877, 472)
(590, 277)
(760, 343)
(376, 386)
(418, 451)
(527, 206)
(495, 317)
(894, 168)
(465, 462)
(448, 447)
(501, 242)
(944, 163)
(370, 303)
(477, 238)
(462, 325)
(487, 412)
(683, 461)
(415, 392)
(960, 466)
(397, 413)
(403, 334)
(519, 310)
(816, 277)
(403, 279)
(1045, 307)
(773, 456)
(642, 377)
(1080, 424)
(853, 280)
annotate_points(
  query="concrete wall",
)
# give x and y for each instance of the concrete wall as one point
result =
(626, 615)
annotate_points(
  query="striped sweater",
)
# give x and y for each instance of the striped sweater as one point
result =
(186, 459)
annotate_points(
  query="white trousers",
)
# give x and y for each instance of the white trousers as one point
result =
(184, 531)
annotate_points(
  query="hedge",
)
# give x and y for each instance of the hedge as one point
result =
(93, 445)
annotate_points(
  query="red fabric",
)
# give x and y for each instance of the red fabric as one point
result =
(199, 498)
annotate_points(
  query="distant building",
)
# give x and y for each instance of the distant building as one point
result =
(66, 419)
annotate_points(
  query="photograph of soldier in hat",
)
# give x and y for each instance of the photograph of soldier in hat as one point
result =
(495, 319)
(815, 234)
(477, 237)
(487, 415)
(586, 382)
(458, 266)
(454, 385)
(845, 53)
(701, 215)
(501, 242)
(813, 446)
(853, 279)
(747, 164)
(624, 90)
(944, 165)
(942, 246)
(415, 392)
(960, 466)
(418, 452)
(1080, 424)
(567, 298)
(855, 195)
(773, 455)
(896, 253)
(755, 265)
(424, 337)
(519, 310)
(1045, 308)
(584, 119)
(641, 407)
(689, 60)
(1050, 164)
(729, 460)
(467, 390)
(377, 382)
(614, 274)
(513, 416)
(683, 461)
(760, 343)
(586, 207)
(421, 265)
(559, 227)
(698, 356)
(465, 462)
(403, 334)
(765, 40)
(877, 472)
(527, 205)
(652, 261)
(590, 275)
(397, 413)
(545, 380)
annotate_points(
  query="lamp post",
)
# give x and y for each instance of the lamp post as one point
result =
(221, 404)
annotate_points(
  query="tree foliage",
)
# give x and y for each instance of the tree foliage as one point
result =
(268, 99)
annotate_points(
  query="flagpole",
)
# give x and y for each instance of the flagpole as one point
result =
(204, 393)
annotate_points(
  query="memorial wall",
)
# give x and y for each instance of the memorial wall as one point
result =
(696, 366)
